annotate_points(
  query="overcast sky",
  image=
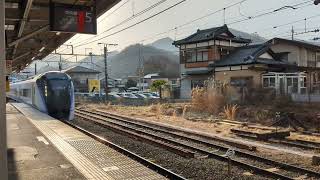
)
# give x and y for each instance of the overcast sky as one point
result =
(192, 9)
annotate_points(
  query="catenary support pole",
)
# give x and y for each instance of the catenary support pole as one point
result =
(106, 71)
(3, 129)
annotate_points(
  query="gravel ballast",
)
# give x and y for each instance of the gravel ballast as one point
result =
(190, 168)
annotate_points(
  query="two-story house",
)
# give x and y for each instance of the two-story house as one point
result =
(288, 66)
(199, 51)
(305, 79)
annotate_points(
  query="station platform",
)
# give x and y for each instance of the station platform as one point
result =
(41, 147)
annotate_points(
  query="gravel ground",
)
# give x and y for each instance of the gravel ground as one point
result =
(189, 168)
(275, 155)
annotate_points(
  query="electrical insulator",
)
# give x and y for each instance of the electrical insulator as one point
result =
(316, 2)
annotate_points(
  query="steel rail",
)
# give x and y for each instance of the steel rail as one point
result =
(181, 152)
(284, 166)
(215, 155)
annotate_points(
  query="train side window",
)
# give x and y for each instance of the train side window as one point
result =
(26, 92)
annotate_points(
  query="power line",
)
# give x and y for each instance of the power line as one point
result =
(289, 23)
(113, 11)
(214, 12)
(127, 20)
(210, 14)
(294, 7)
(194, 20)
(135, 24)
(190, 22)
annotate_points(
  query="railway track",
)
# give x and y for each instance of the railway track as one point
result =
(307, 145)
(192, 145)
(163, 171)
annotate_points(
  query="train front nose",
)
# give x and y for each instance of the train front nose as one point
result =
(58, 99)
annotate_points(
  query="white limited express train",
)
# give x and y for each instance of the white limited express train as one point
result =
(51, 93)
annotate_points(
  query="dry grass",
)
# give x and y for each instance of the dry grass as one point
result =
(230, 111)
(158, 111)
(208, 100)
(184, 111)
(174, 114)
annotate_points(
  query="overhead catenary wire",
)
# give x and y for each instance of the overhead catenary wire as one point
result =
(190, 22)
(197, 19)
(220, 10)
(135, 24)
(294, 7)
(115, 10)
(126, 20)
(286, 24)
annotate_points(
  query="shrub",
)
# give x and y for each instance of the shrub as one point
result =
(156, 85)
(209, 99)
(230, 111)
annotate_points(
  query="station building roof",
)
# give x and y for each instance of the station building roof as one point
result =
(27, 28)
(81, 69)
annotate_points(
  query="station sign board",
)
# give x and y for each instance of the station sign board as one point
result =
(8, 67)
(73, 18)
(94, 86)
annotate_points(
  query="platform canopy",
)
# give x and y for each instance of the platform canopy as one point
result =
(27, 28)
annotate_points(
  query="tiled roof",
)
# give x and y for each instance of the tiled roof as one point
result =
(297, 42)
(210, 34)
(80, 69)
(249, 55)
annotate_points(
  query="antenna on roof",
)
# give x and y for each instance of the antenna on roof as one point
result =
(292, 33)
(224, 16)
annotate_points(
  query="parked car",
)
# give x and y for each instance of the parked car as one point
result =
(140, 95)
(114, 95)
(128, 95)
(150, 95)
(133, 89)
(155, 94)
(82, 94)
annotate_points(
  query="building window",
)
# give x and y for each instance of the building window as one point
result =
(269, 82)
(197, 56)
(197, 83)
(312, 59)
(205, 55)
(202, 55)
(224, 52)
(194, 56)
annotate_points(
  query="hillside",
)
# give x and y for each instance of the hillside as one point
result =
(126, 63)
(165, 44)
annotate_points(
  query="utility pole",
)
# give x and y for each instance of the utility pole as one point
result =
(292, 33)
(105, 51)
(140, 69)
(91, 60)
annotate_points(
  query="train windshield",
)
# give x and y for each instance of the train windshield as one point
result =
(58, 99)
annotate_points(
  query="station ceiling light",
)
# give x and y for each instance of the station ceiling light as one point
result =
(42, 49)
